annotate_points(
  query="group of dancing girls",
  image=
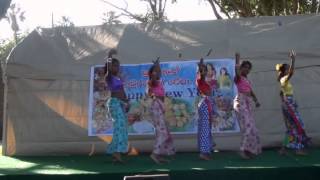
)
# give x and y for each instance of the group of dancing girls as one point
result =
(250, 146)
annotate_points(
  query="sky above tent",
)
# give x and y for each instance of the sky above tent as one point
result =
(90, 12)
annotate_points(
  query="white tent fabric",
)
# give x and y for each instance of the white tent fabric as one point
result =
(47, 77)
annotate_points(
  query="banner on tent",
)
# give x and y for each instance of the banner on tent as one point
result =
(180, 102)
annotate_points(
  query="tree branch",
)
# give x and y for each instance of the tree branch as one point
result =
(222, 9)
(160, 7)
(238, 8)
(153, 7)
(295, 7)
(164, 7)
(127, 13)
(313, 6)
(214, 9)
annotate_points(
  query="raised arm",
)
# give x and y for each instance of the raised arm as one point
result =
(107, 69)
(158, 67)
(201, 62)
(292, 56)
(237, 67)
(108, 64)
(201, 68)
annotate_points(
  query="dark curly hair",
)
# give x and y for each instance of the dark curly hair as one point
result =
(246, 63)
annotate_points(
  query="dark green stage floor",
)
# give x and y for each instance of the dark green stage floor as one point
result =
(225, 165)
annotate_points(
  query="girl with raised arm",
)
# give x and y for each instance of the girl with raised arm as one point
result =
(117, 106)
(163, 141)
(295, 137)
(205, 112)
(250, 142)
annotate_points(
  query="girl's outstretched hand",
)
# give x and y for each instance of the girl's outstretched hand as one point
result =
(237, 56)
(292, 54)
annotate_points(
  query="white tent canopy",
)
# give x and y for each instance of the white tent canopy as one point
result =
(47, 77)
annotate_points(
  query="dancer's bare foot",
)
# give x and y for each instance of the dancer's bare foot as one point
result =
(205, 157)
(116, 158)
(243, 155)
(92, 150)
(251, 155)
(155, 158)
(132, 151)
(164, 160)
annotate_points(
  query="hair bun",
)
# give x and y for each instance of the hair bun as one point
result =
(112, 52)
(278, 67)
